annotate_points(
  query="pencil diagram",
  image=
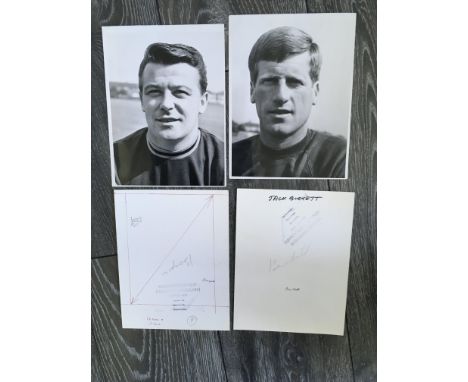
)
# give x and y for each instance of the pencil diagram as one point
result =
(170, 247)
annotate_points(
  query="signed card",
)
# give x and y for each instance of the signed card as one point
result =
(292, 258)
(173, 255)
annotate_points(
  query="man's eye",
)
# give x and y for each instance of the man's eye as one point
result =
(294, 82)
(153, 92)
(268, 81)
(181, 93)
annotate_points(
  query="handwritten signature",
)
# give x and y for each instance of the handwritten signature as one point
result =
(187, 261)
(275, 264)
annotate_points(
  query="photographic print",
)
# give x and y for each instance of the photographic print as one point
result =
(291, 80)
(165, 104)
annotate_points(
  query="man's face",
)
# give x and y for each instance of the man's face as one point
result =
(284, 94)
(172, 100)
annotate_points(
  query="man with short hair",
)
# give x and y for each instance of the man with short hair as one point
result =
(284, 69)
(172, 150)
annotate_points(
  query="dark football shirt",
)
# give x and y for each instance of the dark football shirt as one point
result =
(136, 165)
(318, 155)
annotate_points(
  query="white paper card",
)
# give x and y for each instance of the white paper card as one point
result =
(173, 254)
(292, 259)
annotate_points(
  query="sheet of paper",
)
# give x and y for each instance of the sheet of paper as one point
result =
(173, 255)
(292, 258)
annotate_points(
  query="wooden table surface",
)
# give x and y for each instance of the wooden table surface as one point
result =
(164, 355)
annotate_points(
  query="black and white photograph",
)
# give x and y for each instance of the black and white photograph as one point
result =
(291, 79)
(165, 104)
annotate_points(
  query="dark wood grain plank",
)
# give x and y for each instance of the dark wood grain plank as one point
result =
(265, 6)
(96, 362)
(145, 355)
(194, 12)
(102, 199)
(217, 11)
(362, 295)
(121, 12)
(263, 356)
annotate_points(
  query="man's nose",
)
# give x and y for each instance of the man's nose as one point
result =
(281, 93)
(167, 102)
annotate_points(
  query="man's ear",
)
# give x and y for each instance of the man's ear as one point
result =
(203, 103)
(252, 88)
(315, 92)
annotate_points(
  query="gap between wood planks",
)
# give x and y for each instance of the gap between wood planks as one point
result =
(103, 257)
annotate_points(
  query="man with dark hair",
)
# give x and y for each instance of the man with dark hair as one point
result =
(173, 150)
(284, 69)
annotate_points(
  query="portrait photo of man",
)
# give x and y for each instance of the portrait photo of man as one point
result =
(172, 146)
(286, 139)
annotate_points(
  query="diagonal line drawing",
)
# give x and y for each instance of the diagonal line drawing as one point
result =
(205, 205)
